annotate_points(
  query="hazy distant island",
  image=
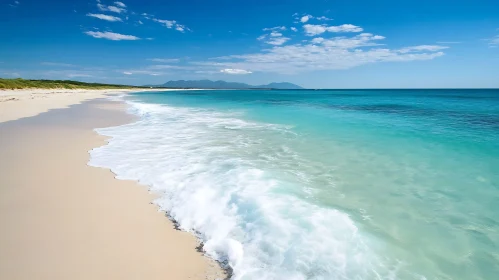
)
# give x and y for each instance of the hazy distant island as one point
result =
(208, 84)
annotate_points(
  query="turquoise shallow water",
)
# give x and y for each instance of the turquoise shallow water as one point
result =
(353, 184)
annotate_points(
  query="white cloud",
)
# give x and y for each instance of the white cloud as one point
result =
(104, 17)
(313, 30)
(283, 28)
(206, 72)
(306, 18)
(318, 40)
(167, 66)
(294, 29)
(167, 23)
(261, 38)
(140, 22)
(180, 28)
(111, 36)
(120, 4)
(164, 60)
(277, 41)
(324, 18)
(113, 9)
(345, 28)
(448, 42)
(141, 72)
(171, 24)
(431, 48)
(361, 40)
(274, 38)
(235, 71)
(17, 2)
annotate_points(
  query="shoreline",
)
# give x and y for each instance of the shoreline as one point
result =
(95, 225)
(22, 103)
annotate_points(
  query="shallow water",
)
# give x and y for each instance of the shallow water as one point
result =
(356, 184)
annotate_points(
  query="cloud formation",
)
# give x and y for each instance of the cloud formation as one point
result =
(274, 38)
(164, 60)
(171, 24)
(111, 36)
(323, 18)
(120, 4)
(143, 72)
(341, 46)
(283, 28)
(305, 18)
(235, 71)
(104, 17)
(113, 9)
(313, 30)
(319, 53)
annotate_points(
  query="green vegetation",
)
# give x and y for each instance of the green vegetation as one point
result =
(53, 84)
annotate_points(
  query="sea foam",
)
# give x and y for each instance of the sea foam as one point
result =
(203, 165)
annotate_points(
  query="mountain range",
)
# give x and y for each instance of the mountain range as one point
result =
(224, 85)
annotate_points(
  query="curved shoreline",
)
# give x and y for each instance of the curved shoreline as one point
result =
(16, 104)
(63, 218)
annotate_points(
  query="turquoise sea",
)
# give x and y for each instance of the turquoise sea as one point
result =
(326, 184)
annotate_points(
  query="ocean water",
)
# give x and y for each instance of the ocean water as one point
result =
(353, 184)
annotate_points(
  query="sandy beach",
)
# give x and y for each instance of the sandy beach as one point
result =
(62, 219)
(15, 104)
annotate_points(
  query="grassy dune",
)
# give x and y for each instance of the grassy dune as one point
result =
(55, 84)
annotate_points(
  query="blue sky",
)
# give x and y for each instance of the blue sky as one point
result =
(313, 43)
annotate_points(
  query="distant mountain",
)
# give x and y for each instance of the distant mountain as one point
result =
(281, 86)
(224, 85)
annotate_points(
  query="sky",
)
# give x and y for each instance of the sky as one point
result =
(312, 43)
